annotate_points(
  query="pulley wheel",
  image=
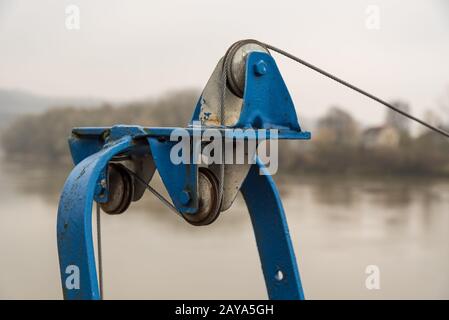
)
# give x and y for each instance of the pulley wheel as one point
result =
(235, 63)
(120, 189)
(208, 200)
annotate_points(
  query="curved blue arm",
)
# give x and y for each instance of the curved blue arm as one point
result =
(74, 226)
(272, 236)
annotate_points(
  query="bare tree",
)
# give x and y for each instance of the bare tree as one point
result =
(338, 127)
(444, 107)
(396, 120)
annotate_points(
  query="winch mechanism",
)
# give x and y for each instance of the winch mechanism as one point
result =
(114, 166)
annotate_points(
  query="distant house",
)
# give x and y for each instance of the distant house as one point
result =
(381, 137)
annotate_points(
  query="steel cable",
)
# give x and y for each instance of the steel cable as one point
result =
(154, 192)
(99, 251)
(347, 84)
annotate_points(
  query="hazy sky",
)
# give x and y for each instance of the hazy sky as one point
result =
(135, 49)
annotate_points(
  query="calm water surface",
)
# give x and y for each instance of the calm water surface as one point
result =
(338, 226)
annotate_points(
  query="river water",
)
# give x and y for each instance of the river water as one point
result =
(339, 226)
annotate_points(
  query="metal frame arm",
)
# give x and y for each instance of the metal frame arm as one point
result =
(272, 236)
(74, 225)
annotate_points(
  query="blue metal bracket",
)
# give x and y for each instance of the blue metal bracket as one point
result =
(266, 102)
(180, 179)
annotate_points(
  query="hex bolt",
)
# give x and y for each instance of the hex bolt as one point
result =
(184, 197)
(104, 186)
(260, 68)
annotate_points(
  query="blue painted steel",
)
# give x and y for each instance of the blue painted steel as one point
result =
(87, 141)
(272, 236)
(266, 101)
(177, 178)
(233, 133)
(96, 135)
(82, 148)
(74, 225)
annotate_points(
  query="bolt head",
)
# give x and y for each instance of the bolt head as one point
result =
(184, 197)
(260, 68)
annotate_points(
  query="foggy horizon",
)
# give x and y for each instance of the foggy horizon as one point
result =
(143, 50)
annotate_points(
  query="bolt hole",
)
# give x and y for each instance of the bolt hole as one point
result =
(279, 276)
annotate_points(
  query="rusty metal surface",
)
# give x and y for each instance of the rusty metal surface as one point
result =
(210, 102)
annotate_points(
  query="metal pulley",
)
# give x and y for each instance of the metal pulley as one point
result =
(120, 189)
(208, 198)
(235, 63)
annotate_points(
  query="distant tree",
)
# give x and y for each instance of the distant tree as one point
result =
(44, 136)
(338, 127)
(432, 117)
(396, 120)
(444, 106)
(334, 148)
